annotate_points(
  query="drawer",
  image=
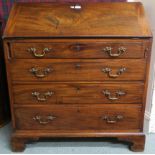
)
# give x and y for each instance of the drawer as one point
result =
(77, 70)
(76, 93)
(78, 49)
(59, 117)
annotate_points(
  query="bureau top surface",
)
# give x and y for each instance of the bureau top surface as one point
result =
(115, 19)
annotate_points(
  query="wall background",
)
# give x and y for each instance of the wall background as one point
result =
(150, 108)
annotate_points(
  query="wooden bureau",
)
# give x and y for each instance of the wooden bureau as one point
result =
(77, 70)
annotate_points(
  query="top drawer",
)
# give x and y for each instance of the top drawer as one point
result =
(78, 49)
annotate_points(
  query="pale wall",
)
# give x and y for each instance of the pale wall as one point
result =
(150, 10)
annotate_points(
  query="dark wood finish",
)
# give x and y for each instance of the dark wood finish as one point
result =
(78, 117)
(69, 69)
(4, 101)
(69, 57)
(137, 142)
(73, 93)
(89, 21)
(18, 144)
(78, 49)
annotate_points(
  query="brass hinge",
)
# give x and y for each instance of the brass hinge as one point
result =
(146, 52)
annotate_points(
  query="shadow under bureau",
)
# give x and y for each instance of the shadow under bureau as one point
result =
(77, 70)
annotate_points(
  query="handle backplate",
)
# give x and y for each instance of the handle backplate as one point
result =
(111, 75)
(120, 51)
(118, 93)
(40, 73)
(42, 97)
(112, 119)
(39, 54)
(44, 120)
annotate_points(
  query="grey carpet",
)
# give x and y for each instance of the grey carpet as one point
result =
(70, 146)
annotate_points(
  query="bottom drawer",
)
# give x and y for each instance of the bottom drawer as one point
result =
(78, 117)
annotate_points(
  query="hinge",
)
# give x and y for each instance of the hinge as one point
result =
(146, 52)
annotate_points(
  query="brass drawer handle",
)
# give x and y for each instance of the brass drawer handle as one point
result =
(118, 73)
(42, 97)
(118, 94)
(40, 73)
(112, 120)
(43, 120)
(39, 54)
(120, 51)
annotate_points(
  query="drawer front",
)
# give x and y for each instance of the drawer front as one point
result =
(77, 70)
(107, 117)
(73, 93)
(78, 50)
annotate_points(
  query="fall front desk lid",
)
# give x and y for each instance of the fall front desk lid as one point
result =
(106, 19)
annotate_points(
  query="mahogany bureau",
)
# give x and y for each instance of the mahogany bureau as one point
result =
(77, 70)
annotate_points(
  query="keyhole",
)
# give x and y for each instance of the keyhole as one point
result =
(77, 89)
(77, 66)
